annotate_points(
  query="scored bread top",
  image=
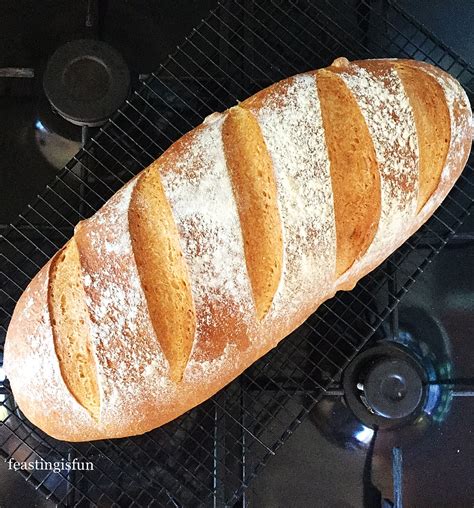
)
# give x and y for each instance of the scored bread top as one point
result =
(199, 189)
(248, 161)
(224, 245)
(356, 193)
(162, 269)
(71, 328)
(431, 115)
(387, 111)
(289, 115)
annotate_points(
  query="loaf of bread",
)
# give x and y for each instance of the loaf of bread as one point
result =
(210, 256)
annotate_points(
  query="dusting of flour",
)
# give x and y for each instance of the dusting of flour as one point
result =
(202, 200)
(389, 118)
(293, 130)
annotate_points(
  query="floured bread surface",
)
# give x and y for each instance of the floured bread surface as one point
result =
(33, 368)
(162, 270)
(199, 189)
(460, 115)
(91, 350)
(130, 360)
(71, 330)
(354, 171)
(289, 115)
(388, 114)
(432, 123)
(255, 191)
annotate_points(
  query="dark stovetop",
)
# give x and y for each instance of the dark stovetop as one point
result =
(332, 459)
(143, 32)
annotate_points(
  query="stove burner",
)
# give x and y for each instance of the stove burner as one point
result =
(86, 81)
(385, 386)
(393, 388)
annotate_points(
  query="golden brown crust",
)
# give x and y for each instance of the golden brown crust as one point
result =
(33, 369)
(70, 326)
(278, 90)
(379, 69)
(460, 140)
(162, 270)
(432, 124)
(386, 109)
(354, 171)
(255, 192)
(213, 316)
(31, 362)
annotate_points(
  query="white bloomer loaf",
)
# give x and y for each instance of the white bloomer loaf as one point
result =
(229, 241)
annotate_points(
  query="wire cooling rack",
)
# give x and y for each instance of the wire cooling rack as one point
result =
(209, 456)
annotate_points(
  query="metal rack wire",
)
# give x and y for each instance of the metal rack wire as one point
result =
(209, 456)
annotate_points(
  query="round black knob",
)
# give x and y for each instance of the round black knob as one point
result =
(393, 388)
(86, 81)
